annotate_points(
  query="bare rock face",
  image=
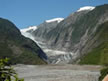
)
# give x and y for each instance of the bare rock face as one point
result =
(46, 26)
(78, 32)
(76, 35)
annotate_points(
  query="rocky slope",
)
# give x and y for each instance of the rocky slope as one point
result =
(76, 35)
(17, 47)
(101, 50)
(79, 34)
(46, 26)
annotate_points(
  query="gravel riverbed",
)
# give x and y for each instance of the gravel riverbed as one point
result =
(58, 72)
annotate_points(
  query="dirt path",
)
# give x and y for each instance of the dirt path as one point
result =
(58, 72)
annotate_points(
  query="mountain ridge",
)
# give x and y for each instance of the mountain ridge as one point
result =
(17, 47)
(75, 34)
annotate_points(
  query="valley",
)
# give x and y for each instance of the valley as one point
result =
(58, 72)
(74, 48)
(68, 40)
(54, 56)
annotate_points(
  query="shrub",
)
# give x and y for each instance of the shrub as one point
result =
(7, 73)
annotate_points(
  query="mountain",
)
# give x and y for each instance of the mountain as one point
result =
(27, 32)
(75, 37)
(29, 29)
(58, 20)
(77, 33)
(17, 47)
(58, 53)
(46, 26)
(41, 31)
(99, 54)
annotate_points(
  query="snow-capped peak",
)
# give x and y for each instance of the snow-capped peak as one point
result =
(55, 19)
(29, 28)
(86, 8)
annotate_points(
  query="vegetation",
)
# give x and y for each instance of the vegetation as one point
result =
(99, 55)
(87, 21)
(17, 47)
(7, 73)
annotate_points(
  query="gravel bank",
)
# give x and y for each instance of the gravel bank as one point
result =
(58, 72)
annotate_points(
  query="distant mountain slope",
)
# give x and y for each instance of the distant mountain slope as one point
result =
(17, 47)
(99, 55)
(76, 32)
(29, 29)
(76, 35)
(46, 26)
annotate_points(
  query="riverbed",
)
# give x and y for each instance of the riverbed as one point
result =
(58, 72)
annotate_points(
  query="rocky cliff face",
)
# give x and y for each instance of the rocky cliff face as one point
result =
(46, 26)
(17, 47)
(76, 35)
(99, 52)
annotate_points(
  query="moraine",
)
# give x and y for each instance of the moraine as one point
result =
(58, 72)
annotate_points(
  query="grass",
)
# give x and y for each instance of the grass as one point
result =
(99, 55)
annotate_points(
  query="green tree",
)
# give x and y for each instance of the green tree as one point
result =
(7, 73)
